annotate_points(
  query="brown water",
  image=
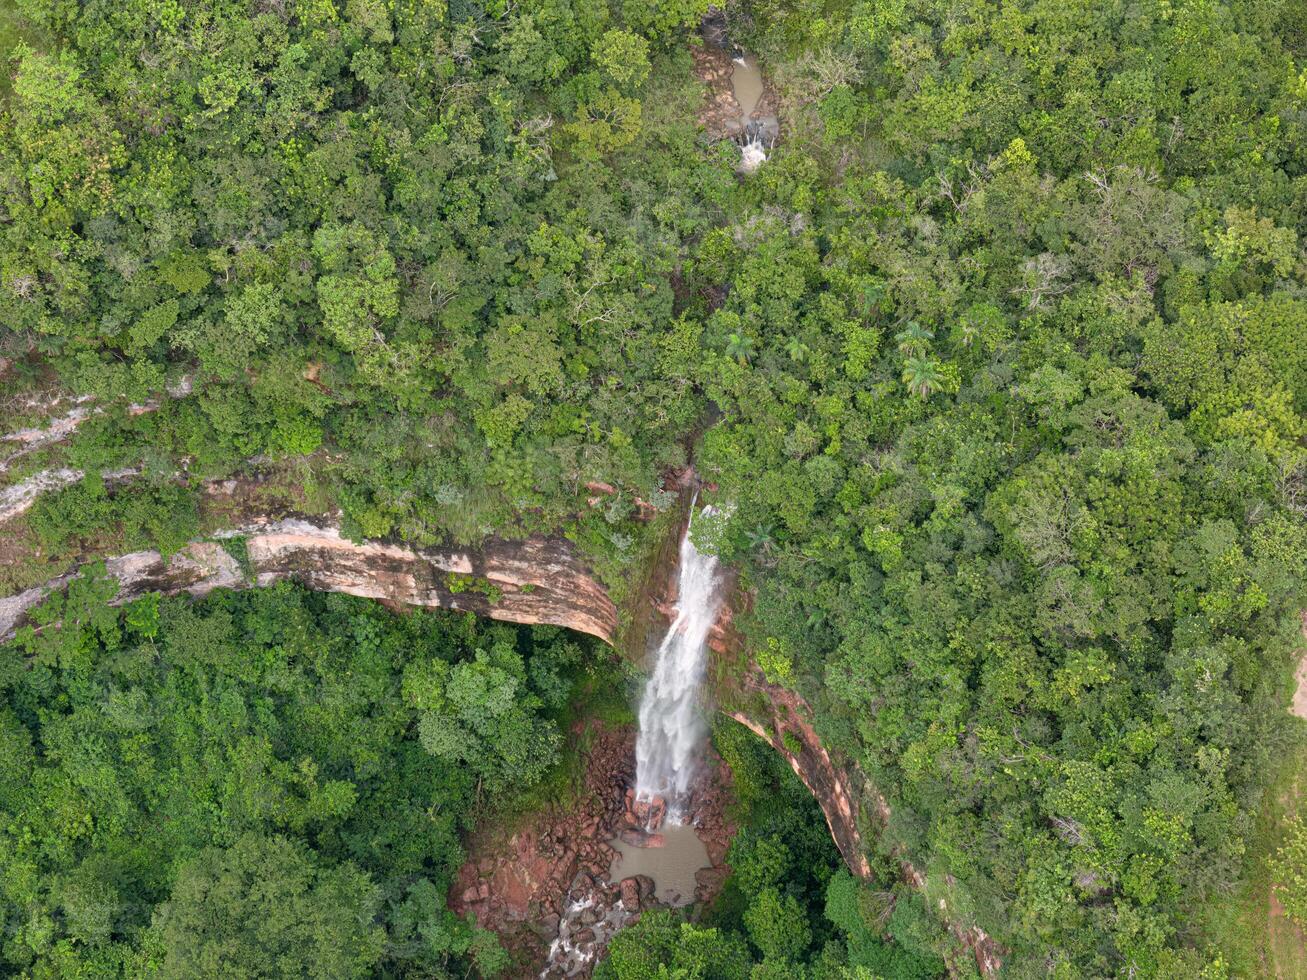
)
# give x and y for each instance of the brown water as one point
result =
(746, 81)
(671, 866)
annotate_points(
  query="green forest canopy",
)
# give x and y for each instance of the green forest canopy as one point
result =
(1002, 352)
(267, 784)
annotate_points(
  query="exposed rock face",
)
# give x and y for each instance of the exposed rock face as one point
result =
(812, 764)
(842, 792)
(538, 580)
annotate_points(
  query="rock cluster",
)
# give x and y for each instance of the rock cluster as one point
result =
(521, 887)
(527, 877)
(596, 909)
(546, 889)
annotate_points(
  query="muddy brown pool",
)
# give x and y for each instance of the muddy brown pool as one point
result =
(671, 866)
(746, 81)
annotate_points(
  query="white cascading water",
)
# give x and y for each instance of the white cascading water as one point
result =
(671, 725)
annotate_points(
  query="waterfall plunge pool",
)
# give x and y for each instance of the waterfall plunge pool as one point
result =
(671, 866)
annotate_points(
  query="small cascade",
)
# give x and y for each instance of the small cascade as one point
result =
(754, 127)
(672, 728)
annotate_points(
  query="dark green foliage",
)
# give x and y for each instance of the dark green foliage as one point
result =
(864, 917)
(262, 909)
(142, 515)
(660, 946)
(241, 788)
(395, 231)
(1033, 492)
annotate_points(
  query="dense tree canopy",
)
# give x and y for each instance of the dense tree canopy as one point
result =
(243, 788)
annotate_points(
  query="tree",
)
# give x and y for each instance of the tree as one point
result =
(658, 946)
(778, 926)
(740, 347)
(922, 376)
(265, 908)
(914, 339)
(481, 712)
(623, 57)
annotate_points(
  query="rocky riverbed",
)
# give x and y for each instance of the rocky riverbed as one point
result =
(547, 890)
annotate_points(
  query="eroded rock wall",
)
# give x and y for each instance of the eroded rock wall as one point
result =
(783, 719)
(536, 580)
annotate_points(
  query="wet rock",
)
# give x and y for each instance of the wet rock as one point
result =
(640, 838)
(708, 882)
(581, 886)
(630, 891)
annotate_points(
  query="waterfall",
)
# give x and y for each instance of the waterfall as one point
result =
(671, 725)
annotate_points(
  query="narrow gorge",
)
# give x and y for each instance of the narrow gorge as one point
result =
(665, 822)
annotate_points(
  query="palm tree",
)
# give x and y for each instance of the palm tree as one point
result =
(740, 347)
(797, 350)
(761, 538)
(922, 376)
(869, 301)
(914, 339)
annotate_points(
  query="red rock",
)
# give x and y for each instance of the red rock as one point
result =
(630, 890)
(647, 814)
(639, 838)
(708, 882)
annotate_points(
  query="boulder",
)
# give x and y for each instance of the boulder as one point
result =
(708, 882)
(581, 883)
(647, 814)
(630, 891)
(641, 838)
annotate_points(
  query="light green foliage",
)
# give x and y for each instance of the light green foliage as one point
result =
(1289, 871)
(659, 948)
(162, 515)
(623, 57)
(1014, 453)
(480, 713)
(997, 361)
(328, 219)
(777, 926)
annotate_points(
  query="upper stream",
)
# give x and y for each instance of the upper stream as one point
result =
(746, 83)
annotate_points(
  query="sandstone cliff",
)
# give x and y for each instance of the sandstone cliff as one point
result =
(536, 580)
